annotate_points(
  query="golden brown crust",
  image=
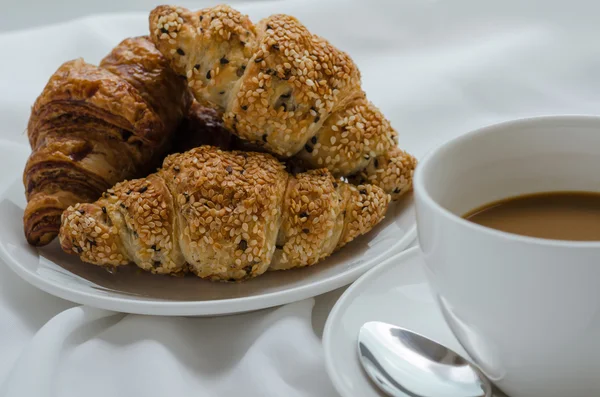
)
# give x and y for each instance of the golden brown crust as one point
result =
(222, 215)
(210, 47)
(137, 61)
(91, 128)
(364, 206)
(84, 89)
(312, 210)
(229, 204)
(280, 87)
(392, 171)
(349, 139)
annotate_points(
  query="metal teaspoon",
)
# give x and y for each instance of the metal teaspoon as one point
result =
(405, 364)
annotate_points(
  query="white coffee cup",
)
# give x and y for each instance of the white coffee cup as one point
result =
(527, 310)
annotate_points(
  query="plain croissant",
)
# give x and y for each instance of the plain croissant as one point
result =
(283, 88)
(94, 126)
(222, 215)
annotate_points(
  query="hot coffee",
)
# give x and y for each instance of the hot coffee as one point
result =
(550, 215)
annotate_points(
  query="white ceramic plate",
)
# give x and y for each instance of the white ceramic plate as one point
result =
(396, 292)
(135, 291)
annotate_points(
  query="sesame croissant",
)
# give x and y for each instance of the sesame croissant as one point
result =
(223, 216)
(283, 88)
(94, 126)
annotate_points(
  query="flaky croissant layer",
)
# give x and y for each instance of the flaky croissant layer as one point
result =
(284, 88)
(223, 216)
(93, 126)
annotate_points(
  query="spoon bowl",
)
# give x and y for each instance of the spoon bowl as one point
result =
(403, 363)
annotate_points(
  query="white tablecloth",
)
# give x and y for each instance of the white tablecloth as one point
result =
(435, 67)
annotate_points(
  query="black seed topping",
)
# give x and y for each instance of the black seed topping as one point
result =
(258, 60)
(129, 192)
(81, 212)
(264, 137)
(376, 163)
(180, 52)
(123, 205)
(208, 75)
(224, 61)
(135, 234)
(289, 94)
(104, 209)
(143, 189)
(164, 30)
(243, 245)
(363, 191)
(221, 93)
(306, 231)
(397, 190)
(92, 243)
(308, 148)
(275, 47)
(303, 215)
(248, 269)
(335, 185)
(155, 248)
(313, 140)
(197, 66)
(245, 107)
(271, 72)
(229, 169)
(77, 249)
(317, 118)
(176, 168)
(186, 195)
(269, 27)
(242, 42)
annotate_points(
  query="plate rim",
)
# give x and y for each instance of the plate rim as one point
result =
(401, 258)
(134, 305)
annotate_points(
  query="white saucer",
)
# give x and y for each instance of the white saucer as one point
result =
(396, 292)
(134, 291)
